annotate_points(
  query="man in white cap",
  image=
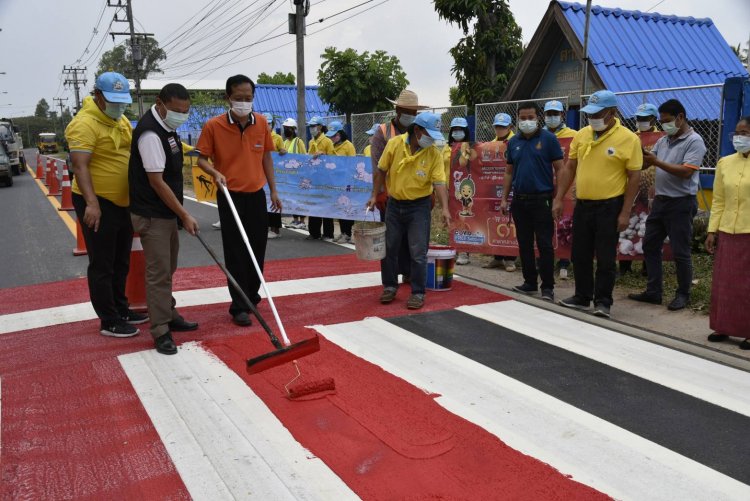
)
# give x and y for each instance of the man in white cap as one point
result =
(99, 137)
(412, 168)
(320, 228)
(605, 159)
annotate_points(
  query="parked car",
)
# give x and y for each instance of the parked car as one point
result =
(6, 171)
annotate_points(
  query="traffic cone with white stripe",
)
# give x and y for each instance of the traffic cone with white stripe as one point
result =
(80, 249)
(54, 184)
(135, 287)
(66, 202)
(47, 171)
(39, 168)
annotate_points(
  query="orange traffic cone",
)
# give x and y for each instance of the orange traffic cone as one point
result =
(66, 202)
(80, 249)
(54, 186)
(135, 287)
(39, 168)
(47, 172)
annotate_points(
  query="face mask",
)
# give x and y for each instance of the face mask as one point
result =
(527, 126)
(553, 122)
(314, 131)
(288, 132)
(598, 124)
(407, 120)
(741, 144)
(425, 141)
(644, 126)
(174, 119)
(242, 107)
(670, 127)
(458, 135)
(115, 110)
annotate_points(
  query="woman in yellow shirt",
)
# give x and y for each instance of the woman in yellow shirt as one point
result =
(344, 148)
(729, 239)
(459, 133)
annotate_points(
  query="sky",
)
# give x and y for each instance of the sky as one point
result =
(39, 37)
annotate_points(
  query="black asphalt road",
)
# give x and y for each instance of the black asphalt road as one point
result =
(37, 246)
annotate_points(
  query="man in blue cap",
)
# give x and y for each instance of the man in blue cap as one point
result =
(503, 133)
(605, 159)
(99, 137)
(645, 117)
(412, 168)
(554, 120)
(370, 133)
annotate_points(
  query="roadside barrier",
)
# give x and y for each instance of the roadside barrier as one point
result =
(54, 184)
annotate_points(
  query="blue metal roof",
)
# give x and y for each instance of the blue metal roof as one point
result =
(633, 50)
(281, 101)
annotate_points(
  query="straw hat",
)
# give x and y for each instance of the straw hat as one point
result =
(408, 99)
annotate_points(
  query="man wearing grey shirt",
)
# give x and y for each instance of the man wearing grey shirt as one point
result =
(677, 158)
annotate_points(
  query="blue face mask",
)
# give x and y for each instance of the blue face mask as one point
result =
(425, 141)
(114, 110)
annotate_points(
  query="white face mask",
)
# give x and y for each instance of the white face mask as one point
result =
(527, 126)
(175, 119)
(644, 126)
(114, 110)
(553, 122)
(242, 107)
(407, 120)
(425, 141)
(458, 135)
(741, 144)
(670, 127)
(314, 131)
(598, 124)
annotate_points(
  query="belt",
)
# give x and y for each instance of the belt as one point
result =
(606, 201)
(532, 196)
(666, 198)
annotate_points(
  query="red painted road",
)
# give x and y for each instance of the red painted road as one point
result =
(72, 426)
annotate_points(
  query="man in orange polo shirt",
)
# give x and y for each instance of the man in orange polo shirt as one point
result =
(239, 144)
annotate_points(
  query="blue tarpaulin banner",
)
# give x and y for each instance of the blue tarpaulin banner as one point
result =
(327, 186)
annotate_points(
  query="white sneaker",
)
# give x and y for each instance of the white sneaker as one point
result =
(217, 225)
(510, 266)
(327, 239)
(347, 239)
(301, 226)
(340, 238)
(463, 258)
(272, 234)
(563, 273)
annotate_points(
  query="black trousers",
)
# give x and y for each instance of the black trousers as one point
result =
(534, 222)
(346, 226)
(274, 219)
(253, 213)
(673, 218)
(314, 223)
(595, 235)
(109, 258)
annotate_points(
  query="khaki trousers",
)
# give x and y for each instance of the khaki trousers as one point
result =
(161, 244)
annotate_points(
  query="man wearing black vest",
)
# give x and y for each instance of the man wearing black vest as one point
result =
(155, 176)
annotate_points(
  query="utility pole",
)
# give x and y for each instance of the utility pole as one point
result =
(585, 59)
(135, 45)
(297, 27)
(60, 104)
(76, 78)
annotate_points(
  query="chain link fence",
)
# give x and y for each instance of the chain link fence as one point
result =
(485, 114)
(702, 103)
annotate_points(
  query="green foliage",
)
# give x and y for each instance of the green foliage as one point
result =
(30, 127)
(359, 83)
(484, 59)
(203, 106)
(42, 109)
(119, 59)
(278, 78)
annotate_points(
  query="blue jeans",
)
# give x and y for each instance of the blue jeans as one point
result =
(409, 218)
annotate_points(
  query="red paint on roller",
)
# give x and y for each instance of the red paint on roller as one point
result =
(326, 386)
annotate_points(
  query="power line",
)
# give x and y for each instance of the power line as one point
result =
(94, 32)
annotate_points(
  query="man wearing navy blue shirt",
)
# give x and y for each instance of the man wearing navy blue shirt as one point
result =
(534, 156)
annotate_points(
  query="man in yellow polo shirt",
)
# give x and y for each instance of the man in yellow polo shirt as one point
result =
(99, 137)
(605, 159)
(413, 168)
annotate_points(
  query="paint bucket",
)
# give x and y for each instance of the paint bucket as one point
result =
(369, 240)
(441, 259)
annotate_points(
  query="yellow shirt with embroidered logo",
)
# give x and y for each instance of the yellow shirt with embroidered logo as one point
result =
(345, 149)
(730, 209)
(410, 177)
(604, 162)
(321, 145)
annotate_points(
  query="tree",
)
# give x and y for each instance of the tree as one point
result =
(359, 83)
(120, 59)
(42, 109)
(278, 78)
(484, 59)
(742, 54)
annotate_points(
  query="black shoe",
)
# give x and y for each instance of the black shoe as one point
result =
(745, 345)
(575, 302)
(182, 325)
(120, 329)
(678, 303)
(165, 344)
(717, 338)
(646, 297)
(548, 295)
(601, 310)
(134, 318)
(525, 288)
(242, 319)
(310, 237)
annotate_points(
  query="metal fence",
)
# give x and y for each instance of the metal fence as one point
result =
(702, 103)
(485, 114)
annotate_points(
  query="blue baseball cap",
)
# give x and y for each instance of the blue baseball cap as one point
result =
(554, 106)
(459, 122)
(316, 121)
(599, 100)
(430, 122)
(647, 110)
(114, 87)
(372, 130)
(334, 127)
(502, 120)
